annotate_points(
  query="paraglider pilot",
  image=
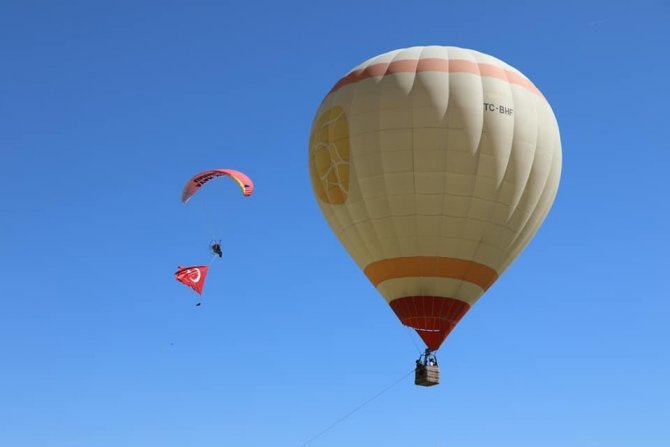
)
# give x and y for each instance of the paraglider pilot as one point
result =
(216, 248)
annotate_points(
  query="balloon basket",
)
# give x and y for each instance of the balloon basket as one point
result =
(425, 375)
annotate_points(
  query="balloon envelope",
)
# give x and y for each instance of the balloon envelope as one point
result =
(434, 166)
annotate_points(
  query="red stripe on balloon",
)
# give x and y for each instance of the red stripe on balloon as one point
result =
(433, 317)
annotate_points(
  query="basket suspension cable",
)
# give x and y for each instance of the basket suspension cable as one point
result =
(409, 331)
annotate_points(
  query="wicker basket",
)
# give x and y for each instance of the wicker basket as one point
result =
(425, 375)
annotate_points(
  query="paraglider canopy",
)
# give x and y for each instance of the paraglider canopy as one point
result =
(195, 183)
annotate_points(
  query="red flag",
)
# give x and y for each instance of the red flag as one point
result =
(193, 276)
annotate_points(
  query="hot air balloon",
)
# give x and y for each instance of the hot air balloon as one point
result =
(434, 166)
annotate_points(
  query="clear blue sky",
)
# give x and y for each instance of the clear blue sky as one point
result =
(107, 107)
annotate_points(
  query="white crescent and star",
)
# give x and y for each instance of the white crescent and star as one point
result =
(190, 273)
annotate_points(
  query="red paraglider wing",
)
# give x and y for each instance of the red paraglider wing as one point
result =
(194, 184)
(193, 276)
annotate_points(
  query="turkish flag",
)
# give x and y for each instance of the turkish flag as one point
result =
(193, 276)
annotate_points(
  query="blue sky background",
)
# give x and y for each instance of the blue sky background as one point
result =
(106, 108)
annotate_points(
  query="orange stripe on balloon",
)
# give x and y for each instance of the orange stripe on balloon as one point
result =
(439, 65)
(431, 266)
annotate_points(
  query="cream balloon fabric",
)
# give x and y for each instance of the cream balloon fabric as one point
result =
(434, 166)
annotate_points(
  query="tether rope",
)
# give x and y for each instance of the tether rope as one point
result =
(347, 415)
